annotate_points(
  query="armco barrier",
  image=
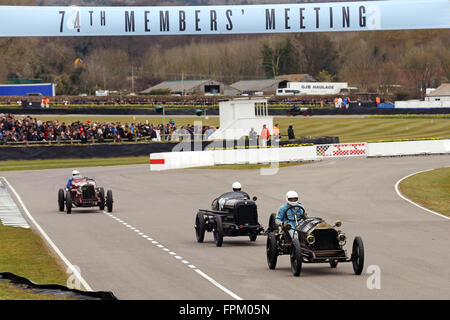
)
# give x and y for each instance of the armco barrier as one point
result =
(403, 148)
(179, 160)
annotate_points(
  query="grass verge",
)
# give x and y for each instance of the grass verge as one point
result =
(23, 252)
(12, 165)
(430, 189)
(9, 291)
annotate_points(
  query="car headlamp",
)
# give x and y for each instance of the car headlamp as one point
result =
(342, 239)
(310, 239)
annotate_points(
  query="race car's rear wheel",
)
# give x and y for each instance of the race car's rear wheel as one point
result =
(68, 202)
(296, 258)
(101, 194)
(61, 200)
(109, 201)
(218, 231)
(271, 250)
(200, 227)
(358, 255)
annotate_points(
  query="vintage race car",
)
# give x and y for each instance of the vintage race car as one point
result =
(314, 241)
(232, 214)
(84, 193)
(296, 111)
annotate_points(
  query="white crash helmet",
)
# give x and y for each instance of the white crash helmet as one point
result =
(75, 173)
(236, 186)
(292, 198)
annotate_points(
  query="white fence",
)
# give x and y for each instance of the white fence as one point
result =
(189, 159)
(419, 104)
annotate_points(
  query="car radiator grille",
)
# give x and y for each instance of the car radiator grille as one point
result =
(89, 193)
(325, 239)
(246, 215)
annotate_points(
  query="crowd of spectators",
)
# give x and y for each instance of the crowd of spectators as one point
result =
(28, 129)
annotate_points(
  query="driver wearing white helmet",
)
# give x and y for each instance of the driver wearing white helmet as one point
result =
(236, 186)
(75, 175)
(237, 193)
(291, 211)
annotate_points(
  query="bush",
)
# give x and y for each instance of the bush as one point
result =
(401, 95)
(160, 92)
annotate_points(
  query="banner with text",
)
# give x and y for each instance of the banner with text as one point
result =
(17, 21)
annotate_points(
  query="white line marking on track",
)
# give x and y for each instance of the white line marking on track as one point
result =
(47, 238)
(214, 282)
(412, 202)
(201, 273)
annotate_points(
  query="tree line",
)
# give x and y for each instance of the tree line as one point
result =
(396, 64)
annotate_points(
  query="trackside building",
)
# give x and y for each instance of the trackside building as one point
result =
(23, 90)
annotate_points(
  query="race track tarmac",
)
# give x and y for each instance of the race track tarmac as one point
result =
(409, 245)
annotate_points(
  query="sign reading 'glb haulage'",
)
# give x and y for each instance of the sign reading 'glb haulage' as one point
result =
(188, 20)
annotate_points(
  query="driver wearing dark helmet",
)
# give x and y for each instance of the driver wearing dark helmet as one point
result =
(291, 212)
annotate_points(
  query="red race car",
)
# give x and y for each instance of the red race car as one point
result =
(84, 193)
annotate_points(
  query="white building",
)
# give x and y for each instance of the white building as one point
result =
(442, 93)
(437, 98)
(239, 116)
(318, 88)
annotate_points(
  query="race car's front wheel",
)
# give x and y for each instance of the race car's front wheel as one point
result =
(61, 200)
(272, 222)
(68, 203)
(272, 250)
(218, 231)
(101, 195)
(109, 201)
(200, 227)
(358, 255)
(296, 258)
(253, 236)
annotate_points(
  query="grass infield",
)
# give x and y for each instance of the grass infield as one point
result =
(24, 253)
(430, 189)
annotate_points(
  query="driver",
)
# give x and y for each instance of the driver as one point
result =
(237, 193)
(237, 190)
(291, 213)
(236, 186)
(75, 175)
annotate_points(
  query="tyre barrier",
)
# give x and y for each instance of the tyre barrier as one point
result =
(56, 289)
